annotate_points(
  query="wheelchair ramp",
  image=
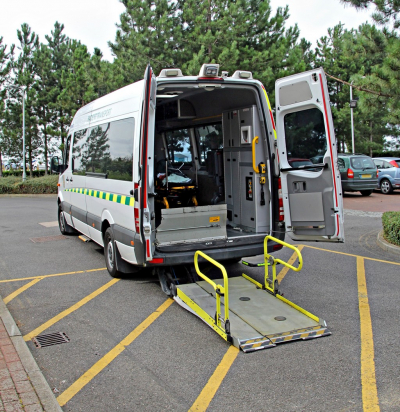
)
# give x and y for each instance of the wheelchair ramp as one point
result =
(257, 318)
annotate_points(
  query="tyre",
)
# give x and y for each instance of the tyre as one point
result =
(110, 253)
(365, 192)
(65, 228)
(386, 187)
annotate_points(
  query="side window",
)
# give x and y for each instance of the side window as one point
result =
(386, 165)
(341, 164)
(78, 152)
(178, 145)
(208, 138)
(306, 142)
(66, 152)
(378, 163)
(106, 149)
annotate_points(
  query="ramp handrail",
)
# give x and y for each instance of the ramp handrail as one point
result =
(253, 151)
(273, 262)
(219, 290)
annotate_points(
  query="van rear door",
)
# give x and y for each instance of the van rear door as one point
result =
(311, 186)
(146, 182)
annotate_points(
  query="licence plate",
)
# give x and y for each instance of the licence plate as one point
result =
(366, 176)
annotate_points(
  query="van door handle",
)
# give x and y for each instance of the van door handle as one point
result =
(70, 180)
(67, 179)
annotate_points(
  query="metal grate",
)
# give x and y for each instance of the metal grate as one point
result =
(47, 238)
(51, 339)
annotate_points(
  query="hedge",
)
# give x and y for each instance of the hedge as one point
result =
(36, 173)
(391, 227)
(36, 185)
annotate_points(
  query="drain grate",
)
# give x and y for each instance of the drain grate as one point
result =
(47, 238)
(51, 339)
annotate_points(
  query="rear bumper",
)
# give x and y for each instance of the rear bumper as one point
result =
(355, 186)
(219, 254)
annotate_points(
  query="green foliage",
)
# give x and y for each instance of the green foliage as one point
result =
(391, 227)
(38, 185)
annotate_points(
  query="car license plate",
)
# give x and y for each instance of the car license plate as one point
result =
(366, 176)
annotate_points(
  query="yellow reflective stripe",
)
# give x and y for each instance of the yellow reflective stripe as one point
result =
(112, 197)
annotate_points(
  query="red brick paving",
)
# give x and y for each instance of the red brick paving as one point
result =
(16, 390)
(377, 202)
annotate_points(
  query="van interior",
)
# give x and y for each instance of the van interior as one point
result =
(205, 183)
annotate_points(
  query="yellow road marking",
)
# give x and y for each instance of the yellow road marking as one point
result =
(349, 254)
(66, 312)
(292, 259)
(111, 355)
(13, 295)
(50, 276)
(368, 380)
(208, 392)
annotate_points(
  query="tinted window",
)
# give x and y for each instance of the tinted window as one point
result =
(378, 163)
(305, 135)
(362, 163)
(341, 163)
(178, 144)
(208, 138)
(106, 149)
(66, 151)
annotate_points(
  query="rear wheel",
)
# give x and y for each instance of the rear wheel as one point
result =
(110, 253)
(365, 192)
(386, 187)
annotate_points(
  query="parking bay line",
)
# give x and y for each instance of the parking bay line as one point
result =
(368, 379)
(71, 309)
(207, 394)
(70, 392)
(349, 254)
(53, 275)
(13, 295)
(285, 270)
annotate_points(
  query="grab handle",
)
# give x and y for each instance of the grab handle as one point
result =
(253, 149)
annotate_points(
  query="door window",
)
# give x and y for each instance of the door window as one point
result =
(208, 138)
(305, 136)
(179, 149)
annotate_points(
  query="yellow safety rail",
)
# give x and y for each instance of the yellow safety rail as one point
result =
(253, 147)
(273, 262)
(219, 290)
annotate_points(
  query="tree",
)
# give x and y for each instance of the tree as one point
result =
(6, 61)
(386, 10)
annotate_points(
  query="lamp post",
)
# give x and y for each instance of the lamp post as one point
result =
(352, 121)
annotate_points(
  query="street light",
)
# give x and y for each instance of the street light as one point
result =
(23, 130)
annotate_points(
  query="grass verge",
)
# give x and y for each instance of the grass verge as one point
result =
(391, 227)
(36, 185)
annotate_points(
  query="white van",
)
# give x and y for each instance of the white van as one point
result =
(173, 164)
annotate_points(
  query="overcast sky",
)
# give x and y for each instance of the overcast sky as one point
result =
(93, 22)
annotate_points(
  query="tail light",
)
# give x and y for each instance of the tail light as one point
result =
(394, 163)
(136, 212)
(350, 174)
(280, 200)
(377, 172)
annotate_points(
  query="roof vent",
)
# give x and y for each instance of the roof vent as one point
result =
(240, 74)
(170, 73)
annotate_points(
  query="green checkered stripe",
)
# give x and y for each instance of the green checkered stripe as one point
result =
(124, 200)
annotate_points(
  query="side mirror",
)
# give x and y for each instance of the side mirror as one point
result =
(55, 165)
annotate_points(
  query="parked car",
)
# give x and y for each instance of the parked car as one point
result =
(389, 173)
(358, 173)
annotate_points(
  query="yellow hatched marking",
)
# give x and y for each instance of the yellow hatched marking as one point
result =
(13, 295)
(291, 261)
(66, 312)
(349, 254)
(131, 201)
(50, 276)
(208, 392)
(107, 196)
(123, 199)
(368, 379)
(111, 355)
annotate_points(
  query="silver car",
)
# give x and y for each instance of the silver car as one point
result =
(389, 173)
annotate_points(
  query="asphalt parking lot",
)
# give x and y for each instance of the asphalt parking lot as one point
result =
(133, 349)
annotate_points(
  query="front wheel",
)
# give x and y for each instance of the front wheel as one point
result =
(365, 192)
(65, 228)
(110, 253)
(386, 187)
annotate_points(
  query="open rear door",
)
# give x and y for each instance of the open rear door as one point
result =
(311, 186)
(146, 183)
